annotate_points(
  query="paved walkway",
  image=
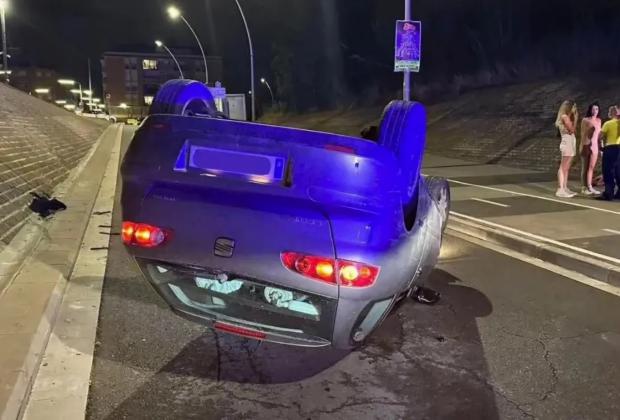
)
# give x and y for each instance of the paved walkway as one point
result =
(29, 304)
(525, 201)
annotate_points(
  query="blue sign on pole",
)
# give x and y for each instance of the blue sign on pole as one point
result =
(408, 46)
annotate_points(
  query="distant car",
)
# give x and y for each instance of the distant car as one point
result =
(99, 115)
(275, 233)
(132, 121)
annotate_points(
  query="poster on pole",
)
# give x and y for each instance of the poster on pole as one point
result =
(408, 46)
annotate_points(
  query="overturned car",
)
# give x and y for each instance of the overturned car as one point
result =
(280, 234)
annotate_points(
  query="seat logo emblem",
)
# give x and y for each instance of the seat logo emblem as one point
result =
(224, 247)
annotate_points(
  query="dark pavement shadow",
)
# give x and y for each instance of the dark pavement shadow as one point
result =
(431, 356)
(448, 375)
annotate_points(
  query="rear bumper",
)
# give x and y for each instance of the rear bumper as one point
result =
(343, 324)
(247, 308)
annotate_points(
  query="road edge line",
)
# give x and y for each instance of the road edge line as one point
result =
(545, 265)
(583, 264)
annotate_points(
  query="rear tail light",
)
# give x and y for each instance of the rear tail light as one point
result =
(143, 235)
(244, 332)
(347, 273)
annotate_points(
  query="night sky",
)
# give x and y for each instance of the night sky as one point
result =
(324, 52)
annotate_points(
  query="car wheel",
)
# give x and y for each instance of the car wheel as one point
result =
(184, 97)
(403, 131)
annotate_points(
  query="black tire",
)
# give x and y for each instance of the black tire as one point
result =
(403, 131)
(439, 189)
(184, 97)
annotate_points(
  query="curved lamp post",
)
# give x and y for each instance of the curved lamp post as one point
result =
(266, 83)
(174, 14)
(247, 30)
(162, 45)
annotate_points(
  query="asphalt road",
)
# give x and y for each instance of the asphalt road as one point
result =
(508, 340)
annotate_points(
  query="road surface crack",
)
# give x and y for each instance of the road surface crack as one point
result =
(477, 377)
(553, 369)
(546, 356)
(356, 403)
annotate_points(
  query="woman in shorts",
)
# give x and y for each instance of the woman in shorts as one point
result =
(565, 123)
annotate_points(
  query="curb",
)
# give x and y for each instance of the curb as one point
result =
(61, 383)
(590, 264)
(15, 405)
(13, 255)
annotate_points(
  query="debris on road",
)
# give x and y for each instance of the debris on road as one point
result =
(44, 205)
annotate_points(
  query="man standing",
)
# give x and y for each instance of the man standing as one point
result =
(611, 155)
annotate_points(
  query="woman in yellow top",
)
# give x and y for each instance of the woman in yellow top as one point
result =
(589, 147)
(565, 123)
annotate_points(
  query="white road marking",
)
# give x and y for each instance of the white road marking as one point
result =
(615, 232)
(539, 238)
(578, 277)
(585, 206)
(489, 202)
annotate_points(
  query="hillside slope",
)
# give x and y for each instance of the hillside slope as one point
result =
(510, 125)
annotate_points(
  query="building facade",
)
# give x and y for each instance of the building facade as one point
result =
(131, 79)
(30, 79)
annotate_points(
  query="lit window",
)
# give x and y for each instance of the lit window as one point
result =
(149, 64)
(148, 100)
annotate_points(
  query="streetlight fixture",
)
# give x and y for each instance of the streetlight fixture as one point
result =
(4, 5)
(247, 30)
(42, 91)
(162, 45)
(175, 14)
(266, 83)
(61, 102)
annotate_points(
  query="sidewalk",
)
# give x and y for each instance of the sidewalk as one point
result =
(29, 304)
(523, 203)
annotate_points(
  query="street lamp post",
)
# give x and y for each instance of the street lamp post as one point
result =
(266, 83)
(247, 30)
(162, 45)
(175, 13)
(407, 73)
(4, 4)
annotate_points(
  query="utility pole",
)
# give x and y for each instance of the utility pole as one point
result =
(90, 87)
(407, 73)
(5, 65)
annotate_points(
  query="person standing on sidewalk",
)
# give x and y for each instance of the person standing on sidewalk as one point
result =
(589, 148)
(565, 123)
(611, 155)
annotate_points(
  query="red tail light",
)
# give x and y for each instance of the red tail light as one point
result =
(349, 273)
(244, 332)
(143, 235)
